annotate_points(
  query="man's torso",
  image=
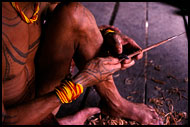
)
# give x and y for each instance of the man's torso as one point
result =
(19, 45)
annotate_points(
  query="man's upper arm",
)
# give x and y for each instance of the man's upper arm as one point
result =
(52, 6)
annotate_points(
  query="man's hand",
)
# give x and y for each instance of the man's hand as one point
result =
(118, 43)
(97, 70)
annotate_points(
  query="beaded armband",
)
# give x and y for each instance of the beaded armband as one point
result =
(68, 91)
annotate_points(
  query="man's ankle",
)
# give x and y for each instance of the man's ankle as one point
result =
(128, 108)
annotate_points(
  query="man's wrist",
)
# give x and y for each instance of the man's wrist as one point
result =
(84, 79)
(79, 78)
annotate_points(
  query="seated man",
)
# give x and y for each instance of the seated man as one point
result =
(33, 90)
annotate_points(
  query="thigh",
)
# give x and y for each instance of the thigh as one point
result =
(71, 32)
(55, 52)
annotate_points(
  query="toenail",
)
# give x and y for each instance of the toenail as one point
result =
(161, 123)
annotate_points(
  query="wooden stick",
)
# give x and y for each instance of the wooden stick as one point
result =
(153, 46)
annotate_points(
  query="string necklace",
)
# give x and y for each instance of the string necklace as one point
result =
(23, 16)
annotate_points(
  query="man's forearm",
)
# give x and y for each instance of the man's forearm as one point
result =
(32, 112)
(106, 88)
(84, 79)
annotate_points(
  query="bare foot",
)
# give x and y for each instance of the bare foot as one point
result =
(79, 118)
(146, 115)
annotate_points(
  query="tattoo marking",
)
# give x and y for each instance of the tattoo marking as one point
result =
(99, 72)
(14, 58)
(12, 25)
(7, 67)
(34, 43)
(24, 55)
(16, 49)
(11, 18)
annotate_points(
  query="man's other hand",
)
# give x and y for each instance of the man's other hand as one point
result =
(118, 43)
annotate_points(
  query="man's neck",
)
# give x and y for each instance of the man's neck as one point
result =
(23, 5)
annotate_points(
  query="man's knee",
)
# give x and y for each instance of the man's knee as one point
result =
(72, 22)
(81, 22)
(83, 17)
(76, 16)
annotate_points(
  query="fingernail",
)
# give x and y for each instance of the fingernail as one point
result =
(98, 111)
(161, 123)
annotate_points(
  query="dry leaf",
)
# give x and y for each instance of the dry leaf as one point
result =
(170, 76)
(116, 75)
(186, 79)
(157, 88)
(128, 81)
(157, 67)
(158, 81)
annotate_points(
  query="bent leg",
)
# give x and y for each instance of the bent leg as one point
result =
(59, 45)
(73, 32)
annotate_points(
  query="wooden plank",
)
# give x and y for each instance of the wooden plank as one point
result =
(171, 57)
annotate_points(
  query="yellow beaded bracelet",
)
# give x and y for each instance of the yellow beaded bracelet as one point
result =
(68, 91)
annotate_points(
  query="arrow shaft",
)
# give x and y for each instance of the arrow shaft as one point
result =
(154, 46)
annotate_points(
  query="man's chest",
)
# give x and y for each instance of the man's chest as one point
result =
(19, 39)
(16, 32)
(20, 44)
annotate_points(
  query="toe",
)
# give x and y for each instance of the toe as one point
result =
(154, 122)
(155, 115)
(153, 112)
(161, 121)
(150, 106)
(157, 121)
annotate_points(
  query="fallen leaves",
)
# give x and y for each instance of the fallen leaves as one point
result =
(170, 76)
(157, 101)
(130, 98)
(170, 116)
(175, 90)
(173, 118)
(116, 75)
(107, 120)
(157, 88)
(186, 79)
